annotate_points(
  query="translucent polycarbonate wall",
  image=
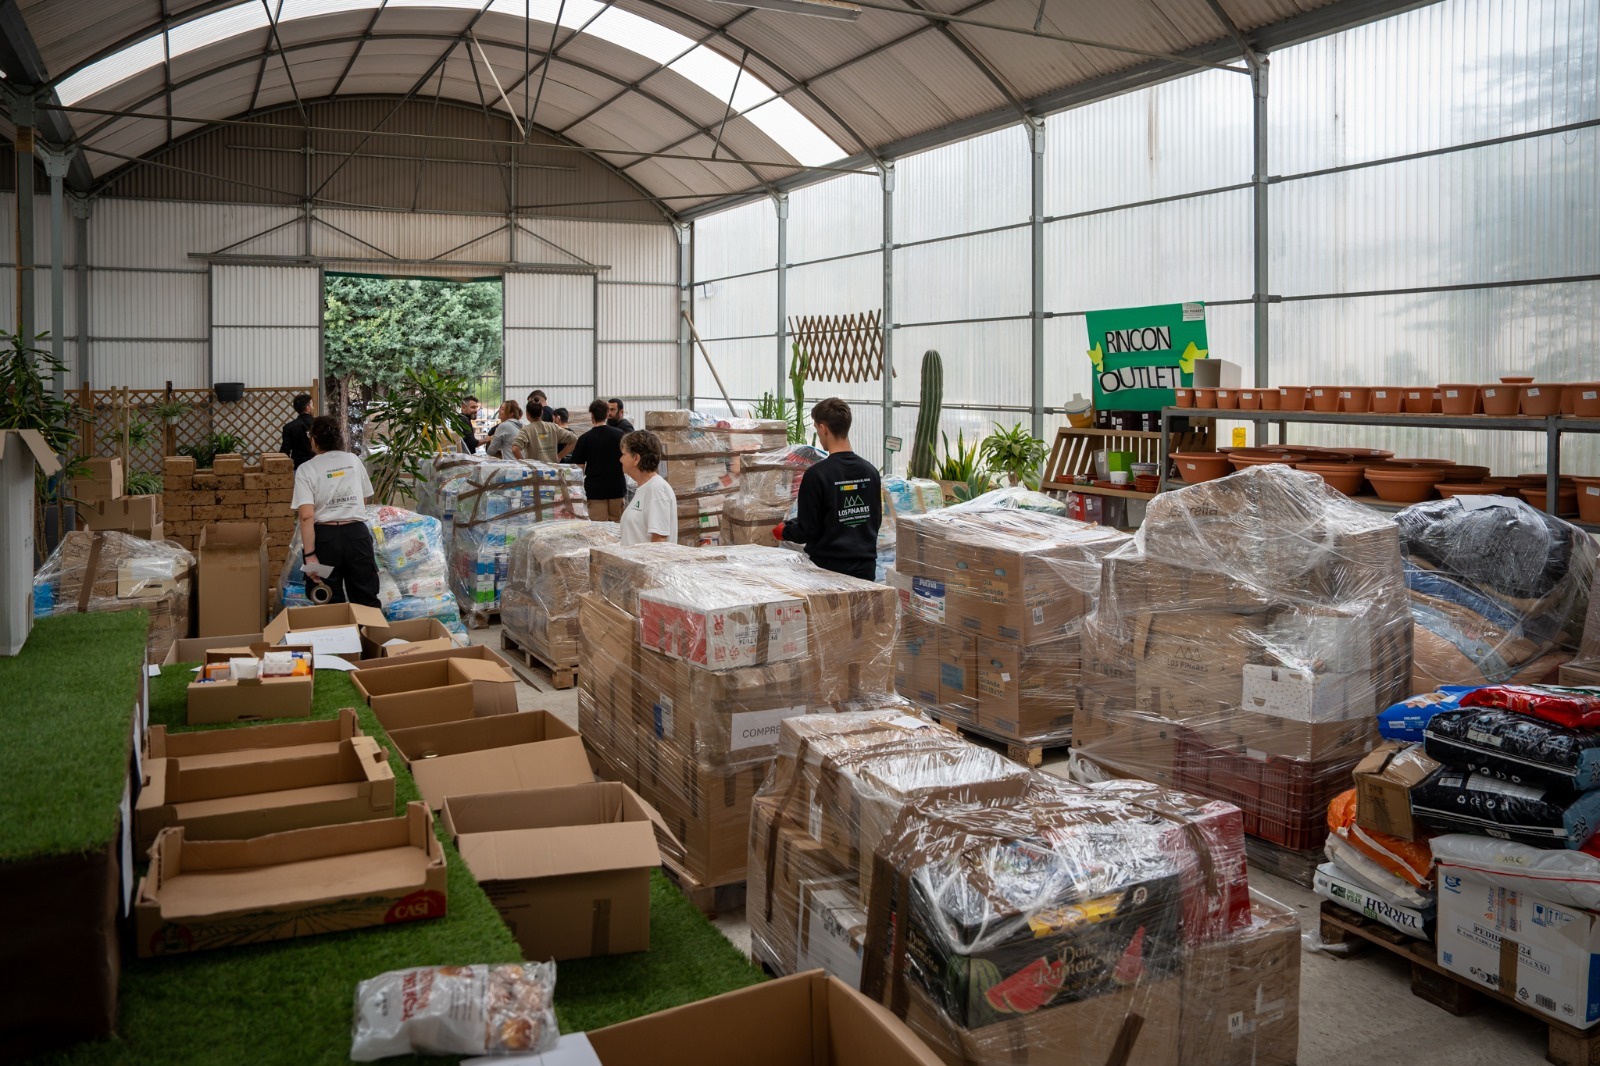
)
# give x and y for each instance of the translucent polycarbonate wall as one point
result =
(1433, 204)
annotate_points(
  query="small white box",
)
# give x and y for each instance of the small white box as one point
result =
(1303, 696)
(833, 930)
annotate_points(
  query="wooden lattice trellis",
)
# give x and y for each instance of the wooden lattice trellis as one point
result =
(256, 420)
(842, 347)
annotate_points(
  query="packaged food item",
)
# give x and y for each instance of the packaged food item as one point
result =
(456, 1010)
(1407, 719)
(1410, 860)
(244, 669)
(1455, 802)
(277, 664)
(1515, 748)
(1578, 707)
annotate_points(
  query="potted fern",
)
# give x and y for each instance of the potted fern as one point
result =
(1014, 452)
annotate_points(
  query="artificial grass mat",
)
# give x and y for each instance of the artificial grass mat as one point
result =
(290, 1001)
(69, 705)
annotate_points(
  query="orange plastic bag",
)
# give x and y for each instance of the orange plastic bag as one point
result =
(1409, 860)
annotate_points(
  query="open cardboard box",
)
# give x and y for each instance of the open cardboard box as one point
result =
(406, 693)
(193, 649)
(332, 628)
(802, 1020)
(261, 743)
(199, 895)
(568, 868)
(243, 701)
(405, 638)
(502, 753)
(470, 653)
(232, 563)
(242, 799)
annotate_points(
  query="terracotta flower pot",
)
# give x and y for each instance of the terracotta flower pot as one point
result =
(1205, 399)
(1386, 399)
(1585, 399)
(1183, 397)
(1406, 460)
(1402, 485)
(1460, 399)
(1347, 478)
(1501, 400)
(1515, 381)
(1541, 400)
(1450, 490)
(1227, 399)
(1271, 399)
(1417, 401)
(1244, 457)
(1355, 400)
(1195, 467)
(1588, 498)
(1249, 399)
(1291, 397)
(1438, 402)
(1368, 455)
(1323, 398)
(1569, 400)
(1566, 499)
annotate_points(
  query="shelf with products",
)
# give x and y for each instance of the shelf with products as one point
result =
(1073, 454)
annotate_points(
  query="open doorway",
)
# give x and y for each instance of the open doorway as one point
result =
(375, 328)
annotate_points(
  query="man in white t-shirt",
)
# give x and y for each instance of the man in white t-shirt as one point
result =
(652, 515)
(330, 500)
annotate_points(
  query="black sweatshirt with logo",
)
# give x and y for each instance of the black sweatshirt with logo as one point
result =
(840, 510)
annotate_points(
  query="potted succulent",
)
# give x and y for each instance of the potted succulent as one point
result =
(958, 472)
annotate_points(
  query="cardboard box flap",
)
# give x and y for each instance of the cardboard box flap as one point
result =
(34, 441)
(508, 769)
(595, 803)
(323, 617)
(477, 734)
(559, 851)
(233, 536)
(1404, 764)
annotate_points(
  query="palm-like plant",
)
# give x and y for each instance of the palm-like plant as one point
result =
(416, 422)
(1015, 453)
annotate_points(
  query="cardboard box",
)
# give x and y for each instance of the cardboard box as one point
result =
(199, 895)
(1192, 663)
(102, 480)
(1241, 994)
(916, 661)
(333, 628)
(410, 693)
(252, 797)
(1028, 690)
(1132, 583)
(244, 701)
(468, 652)
(139, 579)
(1579, 675)
(193, 649)
(833, 929)
(803, 1020)
(500, 754)
(233, 578)
(608, 644)
(1304, 696)
(721, 718)
(1246, 732)
(1384, 780)
(251, 744)
(139, 515)
(958, 674)
(405, 638)
(723, 628)
(1124, 739)
(567, 868)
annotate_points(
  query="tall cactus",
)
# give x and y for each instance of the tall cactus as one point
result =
(922, 445)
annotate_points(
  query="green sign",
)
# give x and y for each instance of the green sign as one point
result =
(1140, 354)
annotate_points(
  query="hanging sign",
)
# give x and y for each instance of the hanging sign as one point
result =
(1140, 354)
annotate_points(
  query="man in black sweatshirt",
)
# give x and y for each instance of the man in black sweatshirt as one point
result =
(840, 506)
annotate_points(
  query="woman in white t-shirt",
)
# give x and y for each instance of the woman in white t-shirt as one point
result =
(652, 515)
(331, 491)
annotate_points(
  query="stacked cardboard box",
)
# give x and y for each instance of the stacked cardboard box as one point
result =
(1243, 645)
(498, 503)
(114, 571)
(768, 485)
(102, 506)
(995, 602)
(231, 491)
(701, 461)
(693, 659)
(548, 572)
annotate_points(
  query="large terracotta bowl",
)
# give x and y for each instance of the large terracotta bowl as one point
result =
(1261, 457)
(1195, 467)
(1323, 398)
(1347, 478)
(1396, 484)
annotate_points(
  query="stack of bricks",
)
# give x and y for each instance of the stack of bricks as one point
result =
(231, 491)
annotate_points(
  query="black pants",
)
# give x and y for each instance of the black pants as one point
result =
(348, 549)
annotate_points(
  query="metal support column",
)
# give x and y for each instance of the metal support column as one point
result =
(22, 116)
(1258, 86)
(55, 165)
(81, 208)
(1036, 221)
(685, 231)
(887, 175)
(781, 201)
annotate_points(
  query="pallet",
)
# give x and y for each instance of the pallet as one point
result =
(1566, 1046)
(1026, 752)
(1297, 866)
(709, 900)
(522, 651)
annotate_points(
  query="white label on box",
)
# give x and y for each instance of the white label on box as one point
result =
(1038, 616)
(1589, 394)
(573, 1049)
(663, 717)
(1593, 490)
(1316, 392)
(1381, 394)
(906, 721)
(830, 916)
(335, 640)
(755, 729)
(927, 599)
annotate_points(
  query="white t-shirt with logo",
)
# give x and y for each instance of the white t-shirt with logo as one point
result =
(337, 483)
(653, 510)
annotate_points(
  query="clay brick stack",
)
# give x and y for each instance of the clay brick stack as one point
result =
(230, 491)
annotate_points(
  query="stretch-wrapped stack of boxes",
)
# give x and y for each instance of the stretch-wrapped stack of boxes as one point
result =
(548, 573)
(114, 571)
(769, 482)
(499, 501)
(231, 491)
(103, 507)
(995, 604)
(1243, 646)
(700, 460)
(903, 497)
(1013, 918)
(692, 659)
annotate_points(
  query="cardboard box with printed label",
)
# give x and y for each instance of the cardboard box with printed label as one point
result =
(1303, 696)
(200, 895)
(722, 718)
(1241, 993)
(233, 578)
(246, 700)
(411, 693)
(803, 1020)
(1192, 664)
(1384, 780)
(504, 753)
(1028, 690)
(851, 625)
(271, 794)
(332, 628)
(567, 868)
(782, 857)
(916, 660)
(252, 744)
(101, 480)
(958, 674)
(833, 929)
(725, 627)
(405, 638)
(140, 516)
(1545, 956)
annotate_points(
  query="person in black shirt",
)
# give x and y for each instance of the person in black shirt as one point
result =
(469, 411)
(297, 433)
(615, 417)
(840, 505)
(539, 410)
(599, 452)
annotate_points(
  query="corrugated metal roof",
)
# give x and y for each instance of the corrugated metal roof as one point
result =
(649, 74)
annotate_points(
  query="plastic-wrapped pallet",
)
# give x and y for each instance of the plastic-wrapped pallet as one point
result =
(995, 601)
(113, 571)
(500, 501)
(1243, 644)
(442, 480)
(902, 497)
(701, 461)
(1499, 590)
(547, 574)
(693, 658)
(769, 482)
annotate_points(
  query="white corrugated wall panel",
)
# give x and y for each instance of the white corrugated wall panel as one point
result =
(550, 336)
(634, 370)
(148, 364)
(410, 236)
(266, 296)
(837, 287)
(984, 362)
(737, 307)
(974, 184)
(835, 218)
(633, 251)
(267, 356)
(736, 241)
(140, 306)
(987, 276)
(748, 368)
(549, 300)
(638, 313)
(41, 232)
(151, 234)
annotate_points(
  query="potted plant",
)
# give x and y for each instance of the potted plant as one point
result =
(959, 469)
(27, 401)
(1014, 452)
(205, 452)
(169, 411)
(416, 422)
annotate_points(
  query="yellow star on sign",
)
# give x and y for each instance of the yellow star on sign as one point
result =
(1097, 356)
(1190, 354)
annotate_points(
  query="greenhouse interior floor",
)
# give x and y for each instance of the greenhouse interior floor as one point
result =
(1352, 1010)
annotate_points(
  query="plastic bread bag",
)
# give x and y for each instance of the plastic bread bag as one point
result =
(456, 1010)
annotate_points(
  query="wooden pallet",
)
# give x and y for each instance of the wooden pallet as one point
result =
(1297, 866)
(709, 900)
(1026, 752)
(1567, 1046)
(523, 651)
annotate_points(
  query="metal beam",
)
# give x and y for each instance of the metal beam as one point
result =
(685, 234)
(781, 202)
(1260, 297)
(355, 55)
(1036, 225)
(82, 207)
(22, 147)
(56, 165)
(24, 66)
(887, 246)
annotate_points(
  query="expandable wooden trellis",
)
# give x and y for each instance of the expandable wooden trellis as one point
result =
(256, 420)
(842, 347)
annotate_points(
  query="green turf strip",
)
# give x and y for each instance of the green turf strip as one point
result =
(68, 732)
(290, 1002)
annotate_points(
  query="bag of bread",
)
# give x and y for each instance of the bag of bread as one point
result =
(456, 1010)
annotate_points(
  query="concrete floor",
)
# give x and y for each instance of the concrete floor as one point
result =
(1353, 1011)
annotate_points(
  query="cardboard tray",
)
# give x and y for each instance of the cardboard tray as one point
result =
(211, 702)
(200, 895)
(415, 690)
(503, 753)
(223, 747)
